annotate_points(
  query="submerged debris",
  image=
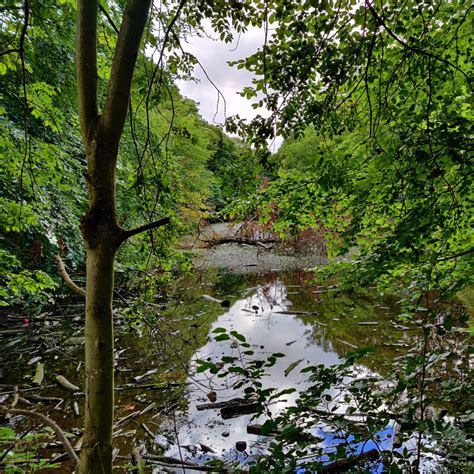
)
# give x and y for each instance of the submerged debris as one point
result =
(66, 384)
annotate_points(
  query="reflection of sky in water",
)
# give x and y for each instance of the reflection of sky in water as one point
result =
(262, 328)
(267, 332)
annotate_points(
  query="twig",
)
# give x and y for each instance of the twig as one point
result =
(413, 49)
(137, 457)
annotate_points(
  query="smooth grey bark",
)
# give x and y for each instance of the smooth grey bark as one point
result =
(100, 229)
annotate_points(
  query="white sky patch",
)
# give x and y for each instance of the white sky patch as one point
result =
(214, 56)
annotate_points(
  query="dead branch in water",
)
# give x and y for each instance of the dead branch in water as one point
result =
(48, 422)
(242, 240)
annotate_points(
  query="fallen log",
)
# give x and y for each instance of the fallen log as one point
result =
(223, 303)
(227, 403)
(39, 374)
(66, 384)
(342, 465)
(256, 429)
(242, 240)
(231, 408)
(238, 410)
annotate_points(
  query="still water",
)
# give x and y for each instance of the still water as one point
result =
(277, 313)
(157, 387)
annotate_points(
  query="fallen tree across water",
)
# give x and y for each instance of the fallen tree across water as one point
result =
(264, 242)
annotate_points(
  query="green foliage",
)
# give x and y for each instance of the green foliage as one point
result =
(22, 287)
(165, 165)
(25, 457)
(377, 119)
(237, 170)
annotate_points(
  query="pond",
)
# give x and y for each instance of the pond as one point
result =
(276, 313)
(158, 390)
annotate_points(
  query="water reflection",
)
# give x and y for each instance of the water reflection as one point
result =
(284, 314)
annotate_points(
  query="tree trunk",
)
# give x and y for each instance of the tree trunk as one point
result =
(101, 231)
(96, 454)
(102, 234)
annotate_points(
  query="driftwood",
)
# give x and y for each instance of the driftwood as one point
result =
(256, 429)
(231, 408)
(39, 374)
(27, 389)
(149, 386)
(347, 343)
(38, 398)
(66, 384)
(228, 403)
(48, 422)
(223, 303)
(148, 431)
(137, 458)
(238, 410)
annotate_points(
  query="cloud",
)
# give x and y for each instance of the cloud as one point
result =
(214, 56)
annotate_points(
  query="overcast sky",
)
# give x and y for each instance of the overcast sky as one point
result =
(214, 56)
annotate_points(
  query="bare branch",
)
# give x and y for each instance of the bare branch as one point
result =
(9, 51)
(159, 66)
(67, 278)
(152, 225)
(86, 63)
(109, 18)
(48, 422)
(451, 257)
(128, 44)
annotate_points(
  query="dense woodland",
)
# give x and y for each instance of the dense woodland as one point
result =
(106, 167)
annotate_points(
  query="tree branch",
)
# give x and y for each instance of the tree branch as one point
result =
(67, 278)
(413, 49)
(451, 257)
(138, 230)
(126, 51)
(9, 51)
(48, 422)
(109, 18)
(86, 63)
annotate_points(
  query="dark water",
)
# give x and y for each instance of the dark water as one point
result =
(277, 312)
(155, 378)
